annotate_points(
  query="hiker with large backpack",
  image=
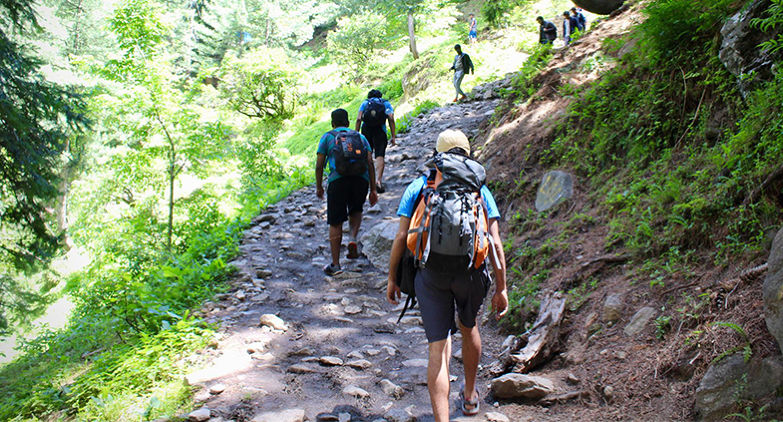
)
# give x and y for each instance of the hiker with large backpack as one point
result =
(374, 112)
(461, 67)
(351, 174)
(448, 231)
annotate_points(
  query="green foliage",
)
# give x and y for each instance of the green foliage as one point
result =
(773, 21)
(523, 86)
(643, 134)
(494, 11)
(38, 386)
(674, 26)
(750, 414)
(747, 352)
(662, 326)
(37, 119)
(391, 89)
(261, 84)
(359, 40)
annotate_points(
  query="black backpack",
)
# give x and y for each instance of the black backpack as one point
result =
(350, 155)
(374, 115)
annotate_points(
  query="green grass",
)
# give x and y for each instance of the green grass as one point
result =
(101, 368)
(669, 186)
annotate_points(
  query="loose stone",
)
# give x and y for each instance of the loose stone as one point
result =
(290, 415)
(217, 388)
(496, 417)
(359, 364)
(355, 391)
(200, 415)
(331, 361)
(273, 321)
(391, 389)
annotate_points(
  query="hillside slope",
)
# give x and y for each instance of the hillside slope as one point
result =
(700, 298)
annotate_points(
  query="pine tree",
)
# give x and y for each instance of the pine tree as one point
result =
(35, 117)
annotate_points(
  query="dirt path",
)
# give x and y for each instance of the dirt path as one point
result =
(341, 341)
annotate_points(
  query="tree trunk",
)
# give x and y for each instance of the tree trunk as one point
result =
(412, 35)
(172, 173)
(65, 182)
(76, 30)
(172, 177)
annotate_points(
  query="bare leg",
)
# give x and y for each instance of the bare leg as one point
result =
(471, 354)
(438, 378)
(354, 222)
(335, 239)
(379, 169)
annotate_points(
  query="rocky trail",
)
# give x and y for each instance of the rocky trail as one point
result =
(298, 345)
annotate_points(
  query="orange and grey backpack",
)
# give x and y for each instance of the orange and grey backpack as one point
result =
(449, 230)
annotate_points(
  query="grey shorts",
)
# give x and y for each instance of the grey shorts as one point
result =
(439, 295)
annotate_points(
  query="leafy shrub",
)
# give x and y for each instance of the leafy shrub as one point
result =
(358, 40)
(260, 84)
(674, 26)
(392, 89)
(494, 11)
(772, 22)
(522, 84)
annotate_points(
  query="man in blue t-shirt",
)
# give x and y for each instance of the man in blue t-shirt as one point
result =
(441, 294)
(345, 195)
(472, 29)
(375, 129)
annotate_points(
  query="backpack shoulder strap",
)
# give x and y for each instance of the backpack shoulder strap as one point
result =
(410, 302)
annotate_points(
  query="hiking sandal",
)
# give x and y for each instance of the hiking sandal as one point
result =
(353, 250)
(473, 411)
(331, 269)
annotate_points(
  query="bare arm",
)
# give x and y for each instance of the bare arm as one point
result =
(373, 188)
(319, 175)
(500, 298)
(397, 250)
(393, 128)
(359, 121)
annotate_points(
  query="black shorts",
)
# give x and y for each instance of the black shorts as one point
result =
(378, 140)
(440, 294)
(345, 196)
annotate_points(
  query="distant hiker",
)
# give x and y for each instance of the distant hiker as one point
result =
(581, 21)
(547, 31)
(351, 172)
(472, 31)
(462, 66)
(569, 27)
(373, 115)
(451, 272)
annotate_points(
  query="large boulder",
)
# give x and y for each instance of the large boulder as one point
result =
(600, 7)
(516, 386)
(556, 187)
(377, 242)
(732, 379)
(639, 321)
(739, 50)
(773, 290)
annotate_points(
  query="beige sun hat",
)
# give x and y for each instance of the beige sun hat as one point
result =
(451, 138)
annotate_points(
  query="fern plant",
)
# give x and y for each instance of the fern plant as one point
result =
(771, 22)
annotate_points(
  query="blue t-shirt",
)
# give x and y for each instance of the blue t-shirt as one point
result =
(326, 146)
(389, 108)
(408, 200)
